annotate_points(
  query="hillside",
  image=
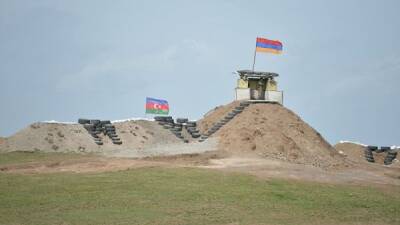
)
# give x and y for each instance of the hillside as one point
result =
(272, 131)
(58, 137)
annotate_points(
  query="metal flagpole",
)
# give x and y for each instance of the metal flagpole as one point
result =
(254, 59)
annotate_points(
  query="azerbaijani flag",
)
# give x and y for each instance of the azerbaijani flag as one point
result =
(157, 106)
(265, 45)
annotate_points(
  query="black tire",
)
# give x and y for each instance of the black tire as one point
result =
(372, 148)
(169, 119)
(176, 129)
(159, 118)
(385, 148)
(167, 126)
(182, 120)
(110, 129)
(88, 126)
(104, 122)
(191, 129)
(191, 123)
(245, 104)
(388, 160)
(387, 163)
(112, 135)
(94, 135)
(175, 132)
(196, 135)
(117, 142)
(94, 122)
(115, 139)
(162, 123)
(99, 142)
(241, 108)
(209, 133)
(83, 121)
(96, 138)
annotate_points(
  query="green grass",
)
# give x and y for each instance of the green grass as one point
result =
(28, 157)
(186, 196)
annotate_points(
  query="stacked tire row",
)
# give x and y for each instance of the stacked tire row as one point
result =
(168, 123)
(368, 153)
(191, 127)
(390, 156)
(97, 127)
(237, 110)
(109, 130)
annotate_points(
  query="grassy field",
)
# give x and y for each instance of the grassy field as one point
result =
(186, 196)
(31, 157)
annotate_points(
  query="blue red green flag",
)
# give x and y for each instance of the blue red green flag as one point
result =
(157, 106)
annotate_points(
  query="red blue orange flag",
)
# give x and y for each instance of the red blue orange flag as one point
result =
(265, 45)
(157, 106)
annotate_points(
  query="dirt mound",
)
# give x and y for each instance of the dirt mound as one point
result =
(271, 130)
(214, 115)
(355, 153)
(58, 137)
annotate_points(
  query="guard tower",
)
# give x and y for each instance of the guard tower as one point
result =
(258, 86)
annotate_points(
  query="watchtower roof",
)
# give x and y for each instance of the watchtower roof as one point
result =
(256, 74)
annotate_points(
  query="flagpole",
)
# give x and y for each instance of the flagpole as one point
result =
(254, 59)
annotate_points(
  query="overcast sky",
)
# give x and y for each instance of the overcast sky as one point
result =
(340, 67)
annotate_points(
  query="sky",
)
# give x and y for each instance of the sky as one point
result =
(64, 60)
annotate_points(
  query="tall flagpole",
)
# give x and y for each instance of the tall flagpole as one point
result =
(254, 59)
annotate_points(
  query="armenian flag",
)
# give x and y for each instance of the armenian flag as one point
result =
(157, 106)
(265, 45)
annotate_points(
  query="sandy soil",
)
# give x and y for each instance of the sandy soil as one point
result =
(53, 137)
(221, 161)
(355, 153)
(214, 115)
(273, 131)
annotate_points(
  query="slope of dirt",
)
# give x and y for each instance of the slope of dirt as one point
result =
(214, 115)
(57, 137)
(272, 131)
(355, 153)
(2, 140)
